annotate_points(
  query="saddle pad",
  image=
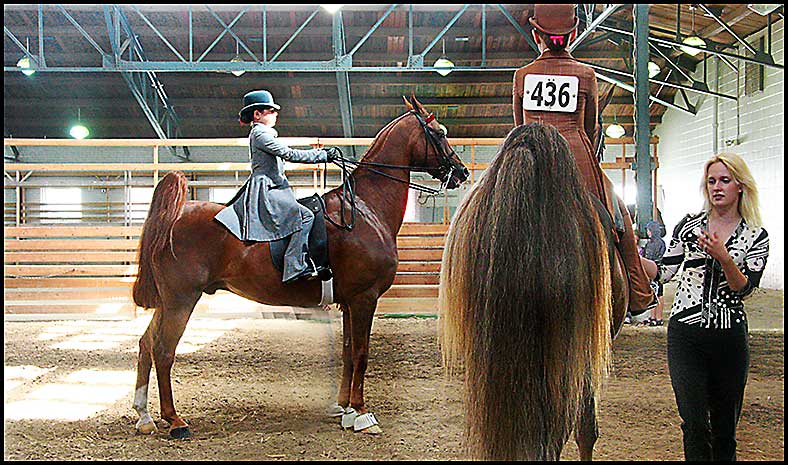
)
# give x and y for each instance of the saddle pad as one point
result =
(318, 238)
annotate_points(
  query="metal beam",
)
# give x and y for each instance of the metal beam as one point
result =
(770, 64)
(519, 28)
(698, 87)
(592, 27)
(630, 88)
(643, 168)
(343, 81)
(374, 27)
(295, 34)
(728, 29)
(138, 85)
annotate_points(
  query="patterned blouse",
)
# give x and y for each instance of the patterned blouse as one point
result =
(703, 297)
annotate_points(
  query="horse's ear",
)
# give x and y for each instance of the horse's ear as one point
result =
(416, 104)
(408, 104)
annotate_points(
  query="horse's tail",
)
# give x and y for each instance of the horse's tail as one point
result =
(525, 299)
(165, 208)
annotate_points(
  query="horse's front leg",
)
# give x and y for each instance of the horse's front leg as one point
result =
(343, 399)
(359, 315)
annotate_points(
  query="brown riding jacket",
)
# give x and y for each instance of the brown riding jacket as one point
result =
(580, 128)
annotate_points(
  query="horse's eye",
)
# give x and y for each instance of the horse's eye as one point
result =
(444, 132)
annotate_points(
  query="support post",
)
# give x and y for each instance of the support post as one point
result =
(642, 128)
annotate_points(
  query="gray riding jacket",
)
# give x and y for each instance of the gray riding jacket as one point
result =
(265, 209)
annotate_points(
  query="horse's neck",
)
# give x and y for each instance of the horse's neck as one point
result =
(386, 197)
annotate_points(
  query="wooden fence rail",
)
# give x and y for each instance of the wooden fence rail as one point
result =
(84, 269)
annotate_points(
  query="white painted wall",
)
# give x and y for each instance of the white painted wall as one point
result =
(755, 122)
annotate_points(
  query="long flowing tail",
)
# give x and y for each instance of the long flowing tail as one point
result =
(525, 299)
(165, 208)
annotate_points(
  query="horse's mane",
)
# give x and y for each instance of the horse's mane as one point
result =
(381, 137)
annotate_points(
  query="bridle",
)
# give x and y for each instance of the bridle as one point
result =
(445, 171)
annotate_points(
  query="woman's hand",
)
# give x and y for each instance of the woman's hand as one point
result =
(713, 245)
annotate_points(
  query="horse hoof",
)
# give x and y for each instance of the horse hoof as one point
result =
(374, 429)
(366, 423)
(349, 417)
(147, 428)
(335, 410)
(182, 432)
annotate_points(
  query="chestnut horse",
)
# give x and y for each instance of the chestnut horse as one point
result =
(532, 293)
(184, 252)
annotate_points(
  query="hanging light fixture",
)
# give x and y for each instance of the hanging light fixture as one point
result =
(763, 9)
(237, 59)
(615, 130)
(332, 8)
(78, 131)
(693, 39)
(653, 69)
(443, 62)
(24, 62)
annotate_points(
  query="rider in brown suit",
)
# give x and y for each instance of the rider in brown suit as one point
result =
(558, 90)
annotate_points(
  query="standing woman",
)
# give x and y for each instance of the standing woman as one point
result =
(558, 90)
(724, 250)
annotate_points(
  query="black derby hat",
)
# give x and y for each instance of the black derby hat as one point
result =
(253, 100)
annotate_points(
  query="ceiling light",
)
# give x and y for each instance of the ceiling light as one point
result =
(693, 41)
(763, 9)
(614, 131)
(653, 69)
(24, 64)
(79, 131)
(443, 63)
(237, 59)
(332, 8)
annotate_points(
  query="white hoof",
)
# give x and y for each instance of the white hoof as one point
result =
(146, 428)
(335, 410)
(366, 423)
(349, 417)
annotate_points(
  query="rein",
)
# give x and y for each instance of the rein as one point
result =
(348, 183)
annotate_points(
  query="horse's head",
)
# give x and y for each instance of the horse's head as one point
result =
(439, 159)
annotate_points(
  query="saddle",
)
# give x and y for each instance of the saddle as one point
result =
(318, 240)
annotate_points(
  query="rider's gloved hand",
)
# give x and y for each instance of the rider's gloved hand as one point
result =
(334, 153)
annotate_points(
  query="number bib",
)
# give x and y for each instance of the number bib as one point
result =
(550, 93)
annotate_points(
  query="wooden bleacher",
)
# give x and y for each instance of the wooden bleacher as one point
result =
(91, 269)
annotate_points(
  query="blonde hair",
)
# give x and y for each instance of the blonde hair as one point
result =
(749, 208)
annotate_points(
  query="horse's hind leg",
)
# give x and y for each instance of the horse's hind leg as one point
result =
(586, 429)
(173, 324)
(145, 424)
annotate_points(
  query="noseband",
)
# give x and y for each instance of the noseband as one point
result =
(445, 169)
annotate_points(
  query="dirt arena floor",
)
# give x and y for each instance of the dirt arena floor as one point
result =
(256, 389)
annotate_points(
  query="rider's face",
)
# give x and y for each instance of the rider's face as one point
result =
(266, 116)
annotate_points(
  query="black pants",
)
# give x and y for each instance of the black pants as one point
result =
(708, 371)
